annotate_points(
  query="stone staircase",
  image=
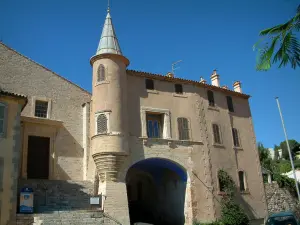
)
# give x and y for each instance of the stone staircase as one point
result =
(62, 202)
(65, 217)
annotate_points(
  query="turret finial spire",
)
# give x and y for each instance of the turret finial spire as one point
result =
(108, 9)
(108, 41)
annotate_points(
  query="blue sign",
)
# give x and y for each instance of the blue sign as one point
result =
(26, 200)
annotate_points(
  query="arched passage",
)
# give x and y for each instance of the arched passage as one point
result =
(156, 192)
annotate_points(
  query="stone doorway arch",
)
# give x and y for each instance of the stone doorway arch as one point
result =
(156, 190)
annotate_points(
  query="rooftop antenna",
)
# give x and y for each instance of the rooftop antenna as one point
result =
(108, 9)
(173, 66)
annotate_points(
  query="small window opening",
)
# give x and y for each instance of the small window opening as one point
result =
(149, 84)
(178, 89)
(41, 109)
(211, 99)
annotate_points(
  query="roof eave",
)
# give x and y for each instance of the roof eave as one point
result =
(185, 81)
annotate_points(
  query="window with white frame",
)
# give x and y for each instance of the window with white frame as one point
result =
(183, 128)
(101, 73)
(3, 118)
(41, 109)
(155, 123)
(101, 124)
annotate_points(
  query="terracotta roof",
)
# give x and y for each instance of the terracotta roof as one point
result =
(15, 95)
(6, 93)
(185, 81)
(1, 43)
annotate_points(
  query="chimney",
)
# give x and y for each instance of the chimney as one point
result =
(202, 80)
(169, 74)
(237, 86)
(225, 87)
(215, 80)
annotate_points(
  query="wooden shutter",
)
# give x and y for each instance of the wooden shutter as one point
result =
(101, 73)
(2, 115)
(101, 124)
(217, 136)
(235, 136)
(183, 128)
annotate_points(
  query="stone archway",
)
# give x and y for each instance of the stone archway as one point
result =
(156, 190)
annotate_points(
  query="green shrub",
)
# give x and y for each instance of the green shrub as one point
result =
(231, 212)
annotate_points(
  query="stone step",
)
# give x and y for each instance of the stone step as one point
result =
(66, 217)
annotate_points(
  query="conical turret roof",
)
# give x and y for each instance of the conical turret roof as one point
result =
(108, 41)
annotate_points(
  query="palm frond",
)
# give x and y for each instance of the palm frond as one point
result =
(278, 28)
(289, 52)
(265, 55)
(297, 22)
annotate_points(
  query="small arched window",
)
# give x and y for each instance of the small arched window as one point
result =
(101, 124)
(101, 73)
(183, 128)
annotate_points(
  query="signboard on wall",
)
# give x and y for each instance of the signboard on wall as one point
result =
(26, 200)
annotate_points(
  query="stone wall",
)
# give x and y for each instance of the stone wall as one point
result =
(21, 74)
(50, 196)
(279, 199)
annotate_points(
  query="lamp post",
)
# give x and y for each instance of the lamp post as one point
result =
(289, 150)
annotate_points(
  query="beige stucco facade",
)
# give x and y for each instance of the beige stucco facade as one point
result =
(78, 151)
(10, 154)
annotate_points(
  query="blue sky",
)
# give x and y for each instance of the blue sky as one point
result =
(63, 35)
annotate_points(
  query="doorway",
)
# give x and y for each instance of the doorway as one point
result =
(38, 157)
(156, 192)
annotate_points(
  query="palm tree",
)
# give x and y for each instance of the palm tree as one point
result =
(284, 47)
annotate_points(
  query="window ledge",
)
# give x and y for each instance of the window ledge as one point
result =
(218, 145)
(152, 91)
(180, 95)
(102, 82)
(107, 134)
(213, 108)
(238, 148)
(170, 142)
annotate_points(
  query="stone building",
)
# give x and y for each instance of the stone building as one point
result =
(152, 143)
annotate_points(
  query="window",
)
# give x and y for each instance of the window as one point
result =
(41, 109)
(154, 125)
(183, 128)
(178, 89)
(155, 122)
(2, 119)
(242, 180)
(222, 183)
(235, 136)
(217, 134)
(101, 73)
(101, 124)
(211, 99)
(230, 104)
(149, 84)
